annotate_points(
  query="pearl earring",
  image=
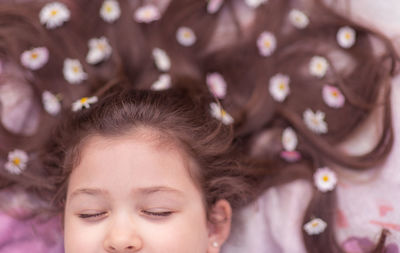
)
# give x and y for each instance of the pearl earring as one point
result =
(215, 244)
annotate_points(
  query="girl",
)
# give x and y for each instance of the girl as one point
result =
(291, 50)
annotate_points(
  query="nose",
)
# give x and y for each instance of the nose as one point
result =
(123, 238)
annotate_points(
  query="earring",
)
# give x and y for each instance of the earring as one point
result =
(215, 244)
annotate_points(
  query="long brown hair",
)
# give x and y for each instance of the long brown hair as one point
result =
(365, 84)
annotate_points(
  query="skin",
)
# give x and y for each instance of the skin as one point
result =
(131, 194)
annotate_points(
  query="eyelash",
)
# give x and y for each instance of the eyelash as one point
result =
(157, 214)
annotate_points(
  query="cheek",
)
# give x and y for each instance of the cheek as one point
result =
(185, 235)
(81, 238)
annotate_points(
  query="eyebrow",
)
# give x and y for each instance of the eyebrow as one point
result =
(140, 191)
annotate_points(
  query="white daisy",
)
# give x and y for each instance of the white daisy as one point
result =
(214, 5)
(185, 36)
(289, 139)
(219, 113)
(298, 19)
(216, 84)
(99, 50)
(147, 14)
(161, 59)
(266, 43)
(54, 15)
(35, 58)
(255, 3)
(315, 121)
(51, 103)
(110, 11)
(163, 82)
(332, 96)
(279, 87)
(17, 161)
(290, 156)
(318, 66)
(325, 179)
(346, 37)
(84, 102)
(315, 226)
(73, 71)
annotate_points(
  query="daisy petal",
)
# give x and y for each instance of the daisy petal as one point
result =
(216, 84)
(266, 43)
(279, 87)
(325, 179)
(298, 19)
(161, 59)
(99, 50)
(315, 121)
(289, 139)
(35, 58)
(147, 14)
(110, 11)
(185, 36)
(54, 15)
(315, 226)
(163, 82)
(73, 71)
(214, 5)
(255, 3)
(84, 102)
(318, 66)
(219, 113)
(51, 103)
(332, 96)
(346, 37)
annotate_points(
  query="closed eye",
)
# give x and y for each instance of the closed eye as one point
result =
(159, 214)
(94, 215)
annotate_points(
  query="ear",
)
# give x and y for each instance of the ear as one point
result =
(219, 225)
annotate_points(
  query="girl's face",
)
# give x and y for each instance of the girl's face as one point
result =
(133, 194)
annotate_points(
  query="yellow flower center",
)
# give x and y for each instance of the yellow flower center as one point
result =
(75, 69)
(187, 35)
(101, 46)
(148, 13)
(17, 161)
(347, 36)
(314, 224)
(335, 94)
(298, 19)
(223, 113)
(267, 43)
(315, 121)
(83, 100)
(54, 13)
(325, 178)
(282, 86)
(108, 8)
(34, 55)
(319, 66)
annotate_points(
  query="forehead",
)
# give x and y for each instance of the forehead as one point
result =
(139, 159)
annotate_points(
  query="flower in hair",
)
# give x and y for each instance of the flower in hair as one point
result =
(35, 58)
(289, 139)
(214, 5)
(315, 121)
(219, 113)
(163, 82)
(290, 156)
(255, 3)
(325, 179)
(147, 14)
(17, 161)
(99, 50)
(318, 66)
(315, 226)
(161, 59)
(346, 37)
(332, 96)
(279, 87)
(298, 19)
(185, 36)
(54, 15)
(216, 84)
(266, 43)
(51, 103)
(73, 71)
(110, 11)
(84, 102)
